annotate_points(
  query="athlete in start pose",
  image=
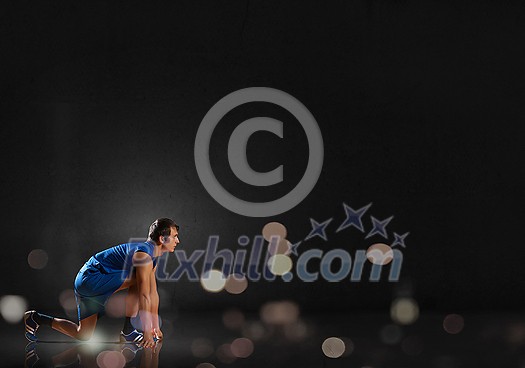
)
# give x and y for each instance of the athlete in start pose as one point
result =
(129, 266)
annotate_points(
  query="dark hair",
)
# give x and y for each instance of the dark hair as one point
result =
(161, 227)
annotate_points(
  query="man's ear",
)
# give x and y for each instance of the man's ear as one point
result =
(164, 239)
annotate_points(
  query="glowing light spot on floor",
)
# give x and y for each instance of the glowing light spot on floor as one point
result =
(236, 284)
(279, 313)
(242, 347)
(202, 348)
(333, 347)
(233, 319)
(205, 365)
(37, 259)
(404, 311)
(213, 281)
(380, 254)
(280, 264)
(453, 323)
(12, 308)
(111, 359)
(274, 229)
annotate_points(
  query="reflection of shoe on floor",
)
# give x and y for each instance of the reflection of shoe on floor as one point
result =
(130, 347)
(134, 336)
(31, 325)
(132, 353)
(129, 351)
(31, 355)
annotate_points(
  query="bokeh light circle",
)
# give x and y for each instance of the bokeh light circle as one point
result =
(116, 306)
(279, 312)
(380, 254)
(37, 259)
(67, 300)
(453, 323)
(241, 347)
(333, 347)
(205, 365)
(274, 229)
(12, 308)
(213, 281)
(404, 311)
(236, 284)
(111, 359)
(280, 264)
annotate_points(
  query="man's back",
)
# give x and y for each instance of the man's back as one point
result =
(118, 259)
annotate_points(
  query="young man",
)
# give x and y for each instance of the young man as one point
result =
(129, 266)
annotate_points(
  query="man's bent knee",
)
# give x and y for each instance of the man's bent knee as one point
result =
(86, 328)
(84, 336)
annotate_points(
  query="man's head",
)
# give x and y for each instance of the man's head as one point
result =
(164, 231)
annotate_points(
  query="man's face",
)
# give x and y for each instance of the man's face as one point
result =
(171, 242)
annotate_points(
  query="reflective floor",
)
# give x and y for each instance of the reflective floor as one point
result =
(236, 339)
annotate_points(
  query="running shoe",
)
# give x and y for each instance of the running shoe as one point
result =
(134, 336)
(31, 325)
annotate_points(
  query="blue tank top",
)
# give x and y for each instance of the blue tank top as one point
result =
(119, 259)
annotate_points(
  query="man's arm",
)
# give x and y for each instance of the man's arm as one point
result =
(143, 265)
(154, 295)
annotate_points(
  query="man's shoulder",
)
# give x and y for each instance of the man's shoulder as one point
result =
(141, 247)
(141, 258)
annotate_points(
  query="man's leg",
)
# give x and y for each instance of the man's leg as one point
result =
(130, 333)
(132, 308)
(83, 331)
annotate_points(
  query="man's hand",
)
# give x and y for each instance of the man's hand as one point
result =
(158, 333)
(147, 341)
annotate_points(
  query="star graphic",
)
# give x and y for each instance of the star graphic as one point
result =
(353, 217)
(379, 227)
(293, 248)
(399, 239)
(318, 229)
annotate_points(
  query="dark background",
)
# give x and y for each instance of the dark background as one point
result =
(420, 104)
